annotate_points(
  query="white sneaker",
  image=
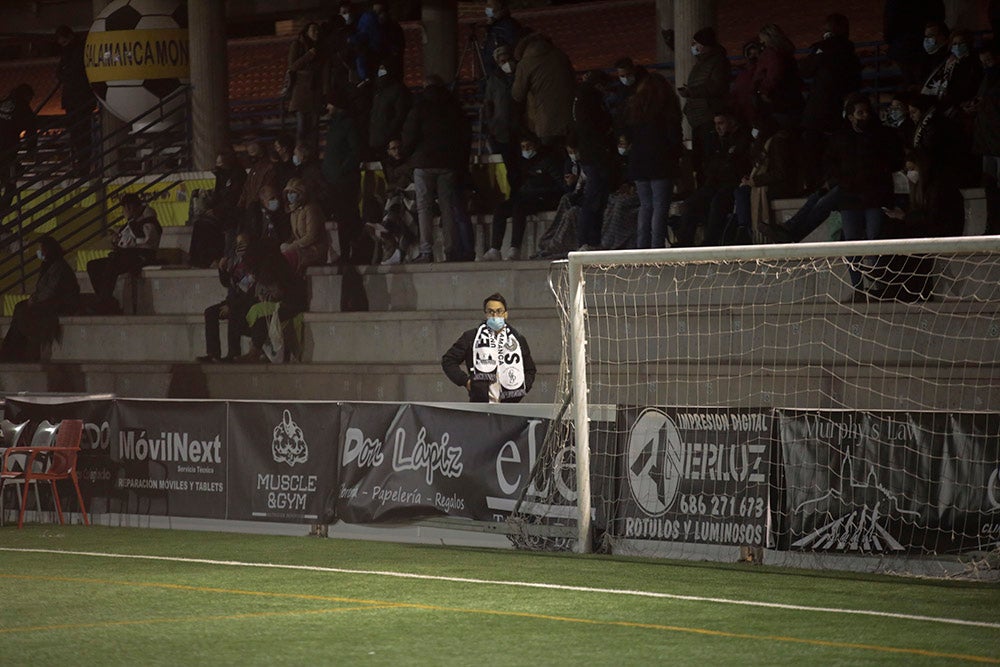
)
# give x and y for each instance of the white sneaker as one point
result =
(512, 254)
(395, 258)
(491, 255)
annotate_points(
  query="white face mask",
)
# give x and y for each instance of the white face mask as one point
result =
(622, 150)
(507, 67)
(827, 35)
(296, 160)
(527, 155)
(489, 12)
(39, 255)
(382, 71)
(696, 49)
(627, 80)
(931, 46)
(347, 18)
(755, 133)
(292, 197)
(913, 176)
(273, 205)
(573, 157)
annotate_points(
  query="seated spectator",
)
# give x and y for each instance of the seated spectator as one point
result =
(897, 116)
(221, 218)
(904, 22)
(309, 170)
(986, 132)
(560, 238)
(397, 233)
(260, 170)
(778, 85)
(281, 155)
(35, 322)
(774, 176)
(817, 208)
(956, 80)
(742, 89)
(943, 138)
(705, 93)
(270, 220)
(342, 173)
(238, 279)
(281, 294)
(727, 162)
(621, 213)
(134, 246)
(308, 244)
(540, 185)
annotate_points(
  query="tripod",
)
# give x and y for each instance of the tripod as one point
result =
(473, 47)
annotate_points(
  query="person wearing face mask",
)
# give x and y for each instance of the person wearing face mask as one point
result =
(986, 132)
(934, 48)
(897, 116)
(394, 39)
(559, 239)
(306, 71)
(502, 29)
(498, 109)
(540, 185)
(704, 92)
(903, 24)
(260, 171)
(366, 37)
(309, 169)
(223, 216)
(35, 322)
(307, 246)
(270, 222)
(237, 277)
(628, 77)
(498, 363)
(390, 104)
(774, 176)
(835, 71)
(956, 80)
(861, 160)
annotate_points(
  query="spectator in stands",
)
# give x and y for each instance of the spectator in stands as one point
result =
(778, 84)
(366, 37)
(544, 82)
(35, 322)
(904, 22)
(502, 29)
(705, 92)
(305, 65)
(498, 108)
(653, 128)
(260, 171)
(956, 80)
(727, 162)
(394, 39)
(774, 176)
(936, 207)
(308, 244)
(898, 117)
(629, 78)
(390, 104)
(498, 363)
(560, 236)
(16, 118)
(986, 131)
(540, 185)
(436, 140)
(741, 92)
(835, 71)
(942, 137)
(270, 220)
(341, 160)
(78, 98)
(399, 226)
(592, 136)
(284, 168)
(222, 217)
(281, 292)
(936, 51)
(134, 245)
(814, 212)
(861, 160)
(241, 293)
(310, 170)
(621, 213)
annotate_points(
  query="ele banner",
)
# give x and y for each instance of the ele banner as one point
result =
(287, 465)
(406, 461)
(173, 457)
(890, 481)
(695, 476)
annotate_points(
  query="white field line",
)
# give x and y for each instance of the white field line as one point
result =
(525, 584)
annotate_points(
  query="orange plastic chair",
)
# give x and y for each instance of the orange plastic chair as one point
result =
(60, 464)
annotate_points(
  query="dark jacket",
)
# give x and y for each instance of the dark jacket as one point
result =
(390, 105)
(986, 125)
(707, 87)
(963, 82)
(462, 351)
(940, 214)
(778, 83)
(903, 25)
(591, 126)
(498, 111)
(436, 133)
(16, 117)
(77, 94)
(727, 159)
(342, 153)
(541, 175)
(656, 149)
(835, 71)
(544, 82)
(861, 163)
(502, 31)
(774, 164)
(57, 287)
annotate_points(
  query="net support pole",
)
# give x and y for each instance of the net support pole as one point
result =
(580, 408)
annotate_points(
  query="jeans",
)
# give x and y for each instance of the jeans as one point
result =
(431, 183)
(859, 225)
(709, 205)
(595, 198)
(813, 213)
(654, 207)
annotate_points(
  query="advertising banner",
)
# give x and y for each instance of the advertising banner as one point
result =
(695, 476)
(172, 457)
(890, 481)
(287, 464)
(405, 461)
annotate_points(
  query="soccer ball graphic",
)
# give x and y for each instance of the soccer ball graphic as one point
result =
(137, 55)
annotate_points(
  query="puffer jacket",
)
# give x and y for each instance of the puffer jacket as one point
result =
(544, 82)
(309, 235)
(707, 87)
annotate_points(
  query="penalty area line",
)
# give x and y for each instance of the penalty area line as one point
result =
(521, 584)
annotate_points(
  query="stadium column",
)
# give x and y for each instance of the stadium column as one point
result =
(209, 81)
(690, 16)
(439, 19)
(664, 25)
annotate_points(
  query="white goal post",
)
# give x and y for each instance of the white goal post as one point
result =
(812, 339)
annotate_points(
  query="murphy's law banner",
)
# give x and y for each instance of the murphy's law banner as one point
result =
(405, 461)
(698, 476)
(883, 482)
(287, 466)
(173, 454)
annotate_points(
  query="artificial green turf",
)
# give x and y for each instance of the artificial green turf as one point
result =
(193, 612)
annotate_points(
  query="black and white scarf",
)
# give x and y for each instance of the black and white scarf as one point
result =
(497, 357)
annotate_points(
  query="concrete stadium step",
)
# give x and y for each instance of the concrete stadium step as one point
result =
(313, 381)
(370, 337)
(406, 287)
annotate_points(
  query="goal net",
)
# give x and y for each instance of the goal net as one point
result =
(819, 405)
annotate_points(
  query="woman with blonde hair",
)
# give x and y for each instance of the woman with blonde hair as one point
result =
(777, 85)
(309, 243)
